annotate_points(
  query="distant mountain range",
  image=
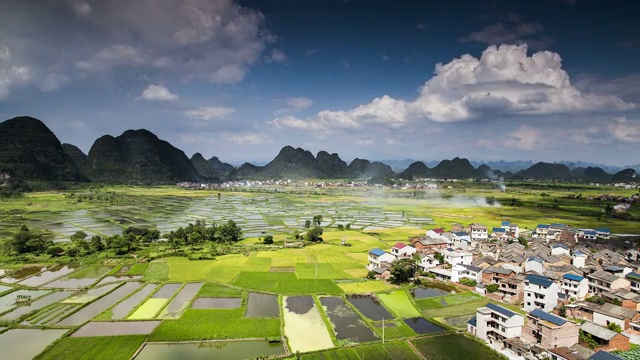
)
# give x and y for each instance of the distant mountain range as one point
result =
(30, 151)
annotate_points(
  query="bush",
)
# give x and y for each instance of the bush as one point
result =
(371, 275)
(491, 288)
(468, 282)
(267, 240)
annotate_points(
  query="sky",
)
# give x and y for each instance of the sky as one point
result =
(548, 80)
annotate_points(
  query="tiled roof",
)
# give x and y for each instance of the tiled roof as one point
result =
(461, 233)
(573, 277)
(614, 268)
(472, 321)
(603, 230)
(539, 280)
(633, 275)
(562, 246)
(497, 230)
(598, 331)
(473, 268)
(505, 223)
(536, 259)
(603, 275)
(578, 253)
(589, 232)
(437, 231)
(497, 270)
(617, 311)
(556, 320)
(603, 355)
(399, 246)
(499, 309)
(542, 226)
(377, 252)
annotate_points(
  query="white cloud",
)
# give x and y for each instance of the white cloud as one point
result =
(209, 112)
(504, 81)
(228, 74)
(277, 56)
(54, 82)
(625, 130)
(157, 93)
(298, 103)
(385, 57)
(80, 7)
(246, 139)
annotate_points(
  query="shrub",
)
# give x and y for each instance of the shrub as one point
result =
(491, 288)
(468, 282)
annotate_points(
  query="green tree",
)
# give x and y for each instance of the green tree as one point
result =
(307, 224)
(614, 327)
(491, 288)
(314, 234)
(268, 239)
(371, 275)
(26, 241)
(317, 220)
(402, 271)
(340, 227)
(563, 311)
(438, 256)
(230, 232)
(348, 227)
(96, 243)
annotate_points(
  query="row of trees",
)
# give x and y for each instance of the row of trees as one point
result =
(199, 233)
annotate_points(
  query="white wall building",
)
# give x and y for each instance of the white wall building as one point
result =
(534, 264)
(575, 286)
(455, 257)
(579, 259)
(495, 323)
(540, 292)
(377, 257)
(560, 250)
(428, 261)
(402, 250)
(459, 272)
(478, 232)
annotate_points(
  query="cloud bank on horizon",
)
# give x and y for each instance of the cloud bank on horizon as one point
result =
(239, 80)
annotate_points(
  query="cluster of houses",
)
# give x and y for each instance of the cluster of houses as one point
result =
(554, 272)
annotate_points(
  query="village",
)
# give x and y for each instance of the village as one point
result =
(579, 296)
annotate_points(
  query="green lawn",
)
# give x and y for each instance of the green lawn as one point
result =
(157, 272)
(94, 348)
(454, 347)
(216, 290)
(285, 283)
(216, 324)
(399, 303)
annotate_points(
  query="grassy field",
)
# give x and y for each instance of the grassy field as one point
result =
(90, 272)
(158, 271)
(398, 302)
(94, 348)
(395, 350)
(454, 347)
(216, 324)
(148, 309)
(450, 300)
(217, 290)
(363, 287)
(138, 269)
(285, 283)
(393, 329)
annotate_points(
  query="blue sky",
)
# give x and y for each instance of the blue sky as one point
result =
(487, 80)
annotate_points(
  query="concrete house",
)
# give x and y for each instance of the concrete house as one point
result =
(455, 257)
(402, 250)
(462, 239)
(579, 259)
(426, 244)
(513, 230)
(540, 292)
(575, 352)
(377, 257)
(575, 286)
(512, 289)
(478, 232)
(499, 234)
(560, 250)
(459, 272)
(601, 281)
(586, 234)
(610, 313)
(494, 324)
(634, 281)
(428, 261)
(492, 274)
(603, 233)
(534, 264)
(549, 330)
(604, 338)
(541, 230)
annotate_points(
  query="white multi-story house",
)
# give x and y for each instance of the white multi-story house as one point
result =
(603, 233)
(377, 257)
(428, 261)
(499, 234)
(513, 230)
(541, 230)
(586, 234)
(455, 257)
(494, 324)
(459, 272)
(560, 250)
(540, 292)
(603, 281)
(402, 250)
(462, 240)
(478, 232)
(634, 280)
(575, 286)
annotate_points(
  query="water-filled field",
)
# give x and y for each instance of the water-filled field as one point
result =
(347, 324)
(303, 325)
(229, 350)
(370, 307)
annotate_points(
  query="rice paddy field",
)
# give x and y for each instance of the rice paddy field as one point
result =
(260, 300)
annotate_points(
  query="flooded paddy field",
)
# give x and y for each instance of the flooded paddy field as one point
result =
(42, 302)
(262, 305)
(49, 275)
(421, 326)
(8, 302)
(427, 292)
(121, 310)
(116, 328)
(180, 302)
(87, 313)
(369, 307)
(25, 344)
(228, 350)
(22, 274)
(303, 325)
(217, 303)
(347, 324)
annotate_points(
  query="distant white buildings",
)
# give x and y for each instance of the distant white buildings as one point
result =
(579, 259)
(540, 292)
(560, 250)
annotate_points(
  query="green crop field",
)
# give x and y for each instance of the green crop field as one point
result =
(90, 272)
(138, 269)
(216, 324)
(398, 302)
(157, 272)
(393, 329)
(94, 348)
(364, 287)
(217, 290)
(454, 347)
(148, 310)
(395, 350)
(285, 283)
(450, 300)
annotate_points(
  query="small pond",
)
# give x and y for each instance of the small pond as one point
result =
(90, 295)
(228, 350)
(116, 328)
(49, 275)
(25, 344)
(9, 301)
(216, 303)
(180, 301)
(428, 292)
(347, 324)
(166, 291)
(304, 326)
(36, 305)
(112, 279)
(370, 308)
(422, 326)
(263, 305)
(121, 310)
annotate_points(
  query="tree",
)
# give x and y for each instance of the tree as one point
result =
(438, 256)
(230, 232)
(314, 235)
(491, 288)
(268, 240)
(371, 275)
(55, 251)
(468, 282)
(402, 271)
(348, 227)
(96, 243)
(317, 220)
(563, 311)
(340, 227)
(307, 224)
(26, 241)
(523, 242)
(79, 235)
(614, 327)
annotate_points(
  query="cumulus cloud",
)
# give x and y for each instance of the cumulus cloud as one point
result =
(504, 81)
(157, 93)
(625, 130)
(251, 138)
(209, 112)
(54, 82)
(298, 103)
(277, 56)
(212, 40)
